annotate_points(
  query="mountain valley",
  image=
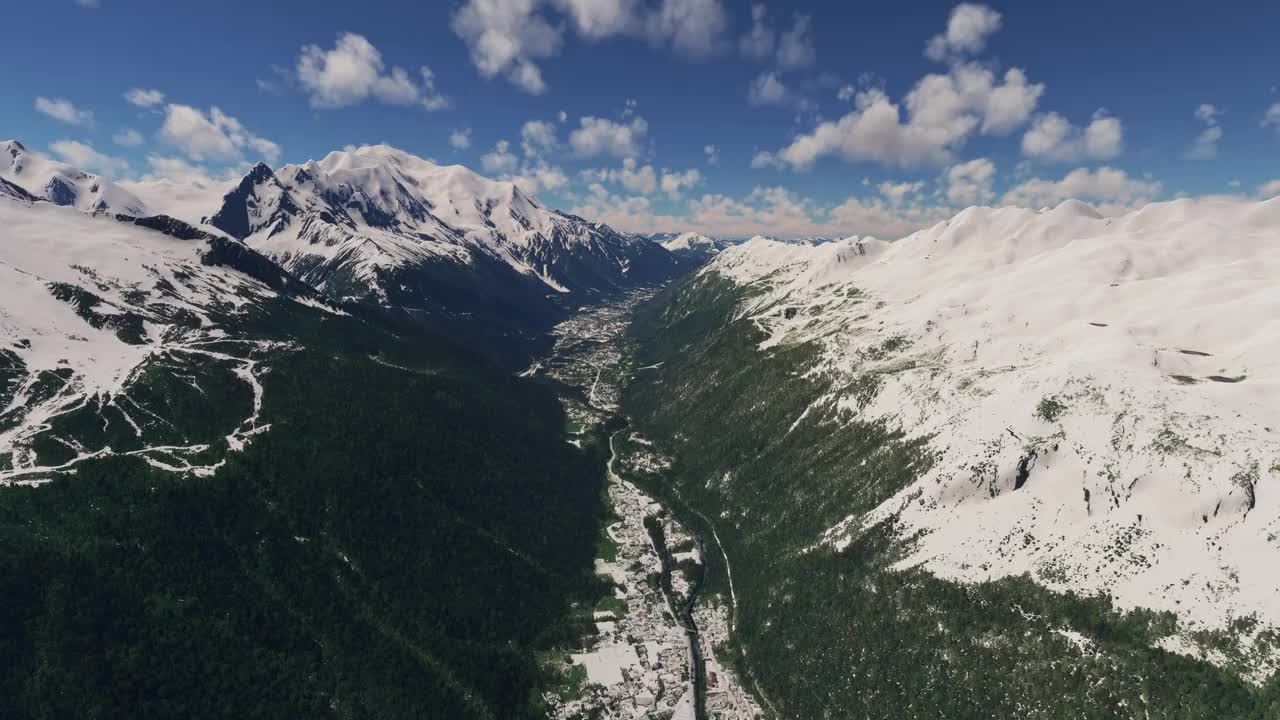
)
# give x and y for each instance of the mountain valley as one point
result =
(375, 437)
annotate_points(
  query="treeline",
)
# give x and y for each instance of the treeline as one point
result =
(841, 634)
(401, 543)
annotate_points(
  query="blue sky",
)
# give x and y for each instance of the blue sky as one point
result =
(826, 118)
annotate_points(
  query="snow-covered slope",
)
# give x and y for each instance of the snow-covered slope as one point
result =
(1101, 395)
(693, 242)
(692, 247)
(370, 221)
(62, 184)
(109, 327)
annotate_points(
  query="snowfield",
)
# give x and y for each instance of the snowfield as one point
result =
(1102, 395)
(92, 304)
(360, 214)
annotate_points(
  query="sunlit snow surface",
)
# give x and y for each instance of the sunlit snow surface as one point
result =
(129, 270)
(401, 210)
(1154, 338)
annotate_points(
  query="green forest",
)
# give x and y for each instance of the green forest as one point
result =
(827, 634)
(408, 540)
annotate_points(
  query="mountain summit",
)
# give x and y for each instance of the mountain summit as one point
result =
(442, 242)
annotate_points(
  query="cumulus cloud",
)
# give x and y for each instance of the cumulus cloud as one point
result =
(538, 137)
(1269, 189)
(1272, 116)
(970, 183)
(533, 179)
(1205, 146)
(128, 138)
(83, 156)
(765, 210)
(353, 71)
(759, 42)
(501, 160)
(790, 49)
(713, 154)
(694, 28)
(1053, 137)
(942, 112)
(675, 183)
(144, 98)
(644, 179)
(214, 137)
(510, 37)
(598, 136)
(846, 93)
(967, 31)
(506, 36)
(460, 139)
(768, 89)
(64, 111)
(795, 46)
(1105, 185)
(896, 193)
(631, 176)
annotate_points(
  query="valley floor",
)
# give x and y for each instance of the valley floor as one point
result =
(641, 662)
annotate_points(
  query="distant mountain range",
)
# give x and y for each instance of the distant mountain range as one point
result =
(465, 255)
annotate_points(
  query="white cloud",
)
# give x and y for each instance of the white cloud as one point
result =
(510, 37)
(501, 160)
(1269, 189)
(846, 93)
(460, 139)
(173, 168)
(597, 136)
(766, 159)
(1053, 137)
(538, 137)
(352, 72)
(675, 183)
(64, 110)
(214, 137)
(506, 36)
(144, 98)
(596, 19)
(713, 154)
(766, 210)
(1205, 146)
(632, 176)
(535, 179)
(967, 31)
(1208, 114)
(768, 89)
(128, 138)
(1008, 106)
(795, 46)
(1272, 116)
(969, 183)
(790, 49)
(895, 193)
(942, 110)
(643, 180)
(694, 28)
(1105, 185)
(89, 3)
(758, 44)
(83, 156)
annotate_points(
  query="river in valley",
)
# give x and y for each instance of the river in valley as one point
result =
(652, 655)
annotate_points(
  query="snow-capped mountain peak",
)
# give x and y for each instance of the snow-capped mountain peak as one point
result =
(371, 220)
(63, 184)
